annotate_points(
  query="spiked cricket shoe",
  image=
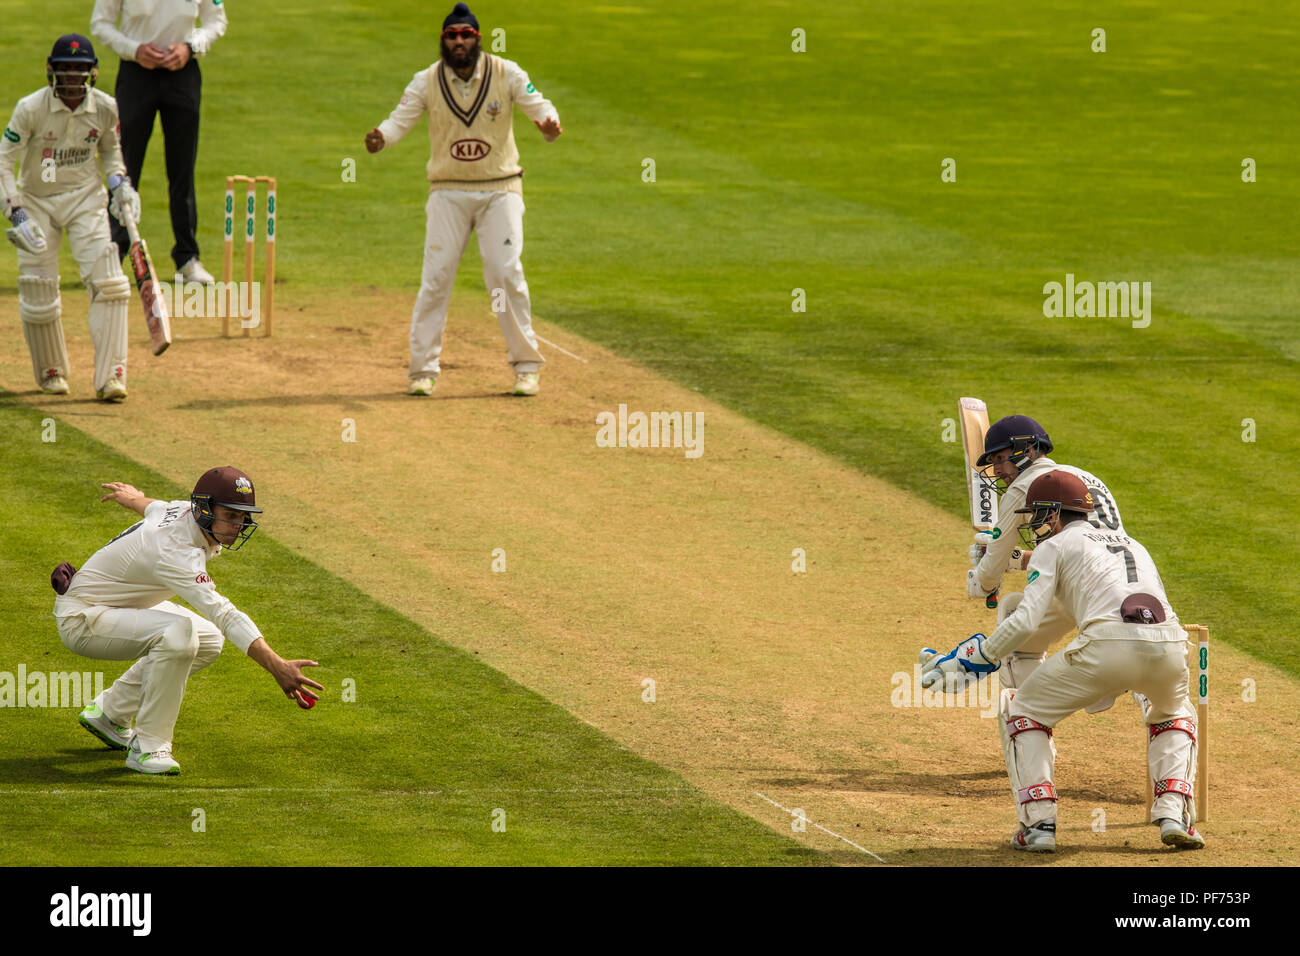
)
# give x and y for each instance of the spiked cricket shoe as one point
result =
(422, 386)
(158, 762)
(54, 385)
(99, 724)
(526, 383)
(114, 391)
(1184, 836)
(193, 271)
(1040, 838)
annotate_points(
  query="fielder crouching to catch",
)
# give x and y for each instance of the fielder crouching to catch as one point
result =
(116, 608)
(1129, 638)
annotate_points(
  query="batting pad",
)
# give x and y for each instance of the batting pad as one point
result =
(1171, 762)
(40, 306)
(1031, 759)
(110, 292)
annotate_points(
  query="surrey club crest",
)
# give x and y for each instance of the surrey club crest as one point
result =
(493, 109)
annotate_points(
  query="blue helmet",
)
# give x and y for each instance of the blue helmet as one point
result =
(73, 58)
(1020, 433)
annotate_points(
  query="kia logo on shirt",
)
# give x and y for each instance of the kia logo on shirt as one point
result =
(203, 579)
(468, 150)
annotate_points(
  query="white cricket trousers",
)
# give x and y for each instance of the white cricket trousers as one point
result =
(498, 217)
(170, 642)
(1074, 678)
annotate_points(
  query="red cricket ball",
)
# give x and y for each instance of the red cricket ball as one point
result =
(305, 702)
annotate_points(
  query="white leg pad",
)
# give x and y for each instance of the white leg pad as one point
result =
(40, 306)
(1031, 758)
(1171, 761)
(110, 292)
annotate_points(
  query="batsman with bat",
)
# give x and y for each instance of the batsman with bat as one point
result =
(1008, 457)
(64, 138)
(1088, 571)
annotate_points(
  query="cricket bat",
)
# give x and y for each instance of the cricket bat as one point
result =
(974, 417)
(151, 297)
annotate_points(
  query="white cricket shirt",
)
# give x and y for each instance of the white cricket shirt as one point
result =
(59, 150)
(996, 558)
(1091, 571)
(163, 555)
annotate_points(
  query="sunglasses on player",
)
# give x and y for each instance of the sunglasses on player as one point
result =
(459, 34)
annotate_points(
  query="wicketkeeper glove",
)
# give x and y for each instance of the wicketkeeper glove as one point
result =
(963, 664)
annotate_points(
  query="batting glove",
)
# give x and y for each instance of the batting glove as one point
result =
(124, 200)
(973, 587)
(982, 541)
(26, 233)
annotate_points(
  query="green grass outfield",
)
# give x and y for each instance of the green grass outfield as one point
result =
(774, 171)
(411, 773)
(820, 171)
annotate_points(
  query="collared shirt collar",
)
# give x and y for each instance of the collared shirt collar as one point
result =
(200, 539)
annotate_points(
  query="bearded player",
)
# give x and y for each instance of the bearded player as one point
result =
(66, 138)
(117, 607)
(1129, 638)
(475, 183)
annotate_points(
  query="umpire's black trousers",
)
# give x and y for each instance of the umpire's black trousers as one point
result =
(175, 95)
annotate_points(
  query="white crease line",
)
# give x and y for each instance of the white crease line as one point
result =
(564, 350)
(822, 828)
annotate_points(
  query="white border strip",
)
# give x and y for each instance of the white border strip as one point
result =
(822, 828)
(561, 349)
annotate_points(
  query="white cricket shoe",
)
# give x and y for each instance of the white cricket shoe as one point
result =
(526, 383)
(1040, 838)
(1184, 836)
(422, 386)
(193, 271)
(114, 391)
(160, 761)
(99, 724)
(54, 385)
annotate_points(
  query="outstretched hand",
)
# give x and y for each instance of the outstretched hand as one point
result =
(295, 684)
(550, 127)
(374, 140)
(124, 494)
